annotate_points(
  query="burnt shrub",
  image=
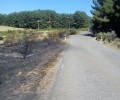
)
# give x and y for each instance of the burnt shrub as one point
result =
(1, 38)
(62, 34)
(72, 32)
(28, 43)
(53, 35)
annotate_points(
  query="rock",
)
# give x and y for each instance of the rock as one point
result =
(19, 73)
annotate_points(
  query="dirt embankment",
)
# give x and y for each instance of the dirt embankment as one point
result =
(21, 72)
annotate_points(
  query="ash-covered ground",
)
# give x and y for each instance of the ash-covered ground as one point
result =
(22, 66)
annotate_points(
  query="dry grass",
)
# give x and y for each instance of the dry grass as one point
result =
(114, 44)
(6, 28)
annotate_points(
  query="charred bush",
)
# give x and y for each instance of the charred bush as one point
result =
(62, 34)
(1, 38)
(72, 32)
(27, 44)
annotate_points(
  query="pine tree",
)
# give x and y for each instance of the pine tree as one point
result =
(116, 17)
(102, 11)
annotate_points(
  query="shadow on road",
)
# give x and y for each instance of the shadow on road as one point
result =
(88, 34)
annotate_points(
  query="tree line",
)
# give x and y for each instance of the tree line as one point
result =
(106, 16)
(45, 19)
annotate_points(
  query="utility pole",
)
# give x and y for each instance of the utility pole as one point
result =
(69, 25)
(38, 24)
(68, 22)
(50, 23)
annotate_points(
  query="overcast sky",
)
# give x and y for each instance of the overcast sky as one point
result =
(60, 6)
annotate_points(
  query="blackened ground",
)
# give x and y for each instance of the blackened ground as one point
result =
(22, 66)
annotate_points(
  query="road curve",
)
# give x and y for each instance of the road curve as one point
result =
(89, 71)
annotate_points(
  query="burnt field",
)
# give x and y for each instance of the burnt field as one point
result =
(24, 64)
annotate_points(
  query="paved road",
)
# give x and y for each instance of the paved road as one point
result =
(89, 71)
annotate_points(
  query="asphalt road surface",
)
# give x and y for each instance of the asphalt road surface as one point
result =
(89, 71)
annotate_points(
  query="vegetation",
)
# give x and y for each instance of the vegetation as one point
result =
(109, 38)
(106, 21)
(26, 59)
(26, 38)
(6, 28)
(24, 49)
(81, 19)
(106, 16)
(45, 19)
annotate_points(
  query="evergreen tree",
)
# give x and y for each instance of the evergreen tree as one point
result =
(46, 19)
(80, 19)
(106, 16)
(102, 12)
(116, 17)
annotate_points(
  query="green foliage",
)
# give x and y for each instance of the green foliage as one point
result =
(106, 16)
(2, 19)
(81, 19)
(101, 15)
(46, 19)
(116, 16)
(109, 36)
